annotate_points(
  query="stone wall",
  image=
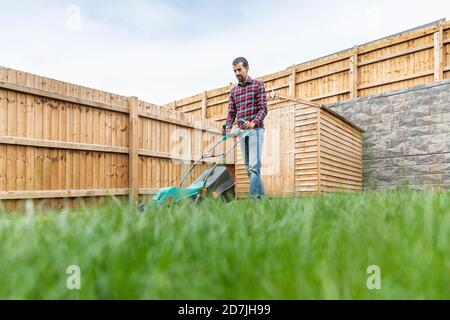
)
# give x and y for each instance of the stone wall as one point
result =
(407, 138)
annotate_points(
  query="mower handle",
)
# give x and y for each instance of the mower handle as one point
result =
(236, 132)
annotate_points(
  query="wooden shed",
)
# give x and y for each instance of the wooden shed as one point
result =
(307, 149)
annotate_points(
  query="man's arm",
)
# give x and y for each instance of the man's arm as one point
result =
(231, 112)
(261, 101)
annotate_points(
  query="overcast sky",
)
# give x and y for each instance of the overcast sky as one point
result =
(161, 51)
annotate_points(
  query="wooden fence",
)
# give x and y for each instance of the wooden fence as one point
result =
(414, 57)
(66, 145)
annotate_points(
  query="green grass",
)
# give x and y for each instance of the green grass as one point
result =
(310, 248)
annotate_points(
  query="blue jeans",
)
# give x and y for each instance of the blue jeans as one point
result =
(251, 150)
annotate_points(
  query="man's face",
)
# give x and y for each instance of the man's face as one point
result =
(240, 72)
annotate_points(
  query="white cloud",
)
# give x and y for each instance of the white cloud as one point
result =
(161, 52)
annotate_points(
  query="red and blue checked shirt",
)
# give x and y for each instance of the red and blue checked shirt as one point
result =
(248, 101)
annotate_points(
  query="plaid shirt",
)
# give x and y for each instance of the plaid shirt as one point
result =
(248, 101)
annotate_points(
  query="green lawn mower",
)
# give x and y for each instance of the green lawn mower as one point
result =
(216, 181)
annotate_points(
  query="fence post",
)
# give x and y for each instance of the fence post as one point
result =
(204, 106)
(438, 54)
(292, 81)
(354, 74)
(133, 124)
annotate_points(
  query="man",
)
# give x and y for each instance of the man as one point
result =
(248, 106)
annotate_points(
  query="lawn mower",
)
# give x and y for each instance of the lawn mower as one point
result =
(216, 181)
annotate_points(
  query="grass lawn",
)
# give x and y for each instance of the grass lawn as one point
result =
(310, 248)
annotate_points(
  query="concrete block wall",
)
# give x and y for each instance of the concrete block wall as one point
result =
(407, 138)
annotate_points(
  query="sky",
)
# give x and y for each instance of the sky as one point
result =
(161, 51)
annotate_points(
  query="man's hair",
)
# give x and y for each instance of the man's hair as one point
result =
(239, 60)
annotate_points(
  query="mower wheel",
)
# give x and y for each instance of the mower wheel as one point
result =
(228, 195)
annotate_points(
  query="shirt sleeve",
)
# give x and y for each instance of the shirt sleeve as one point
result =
(261, 101)
(231, 112)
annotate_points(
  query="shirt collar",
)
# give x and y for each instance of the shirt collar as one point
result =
(249, 80)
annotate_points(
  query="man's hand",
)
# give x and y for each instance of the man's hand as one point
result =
(224, 131)
(249, 125)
